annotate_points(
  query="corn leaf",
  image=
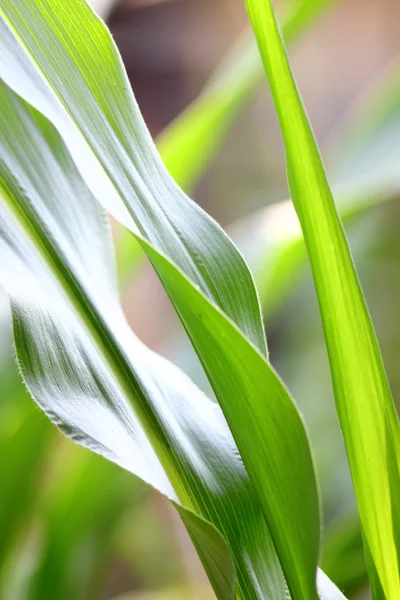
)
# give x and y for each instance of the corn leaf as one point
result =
(364, 405)
(62, 60)
(59, 275)
(91, 375)
(190, 143)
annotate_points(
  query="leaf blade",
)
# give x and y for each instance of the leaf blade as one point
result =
(56, 268)
(361, 388)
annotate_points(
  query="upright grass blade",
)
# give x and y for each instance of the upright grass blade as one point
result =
(365, 408)
(62, 60)
(95, 379)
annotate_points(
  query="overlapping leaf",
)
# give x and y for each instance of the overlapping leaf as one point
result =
(63, 61)
(95, 379)
(76, 379)
(365, 408)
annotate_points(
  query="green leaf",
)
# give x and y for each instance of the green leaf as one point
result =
(365, 408)
(370, 141)
(63, 61)
(94, 379)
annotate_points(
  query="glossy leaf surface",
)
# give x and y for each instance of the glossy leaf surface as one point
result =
(89, 373)
(63, 61)
(75, 378)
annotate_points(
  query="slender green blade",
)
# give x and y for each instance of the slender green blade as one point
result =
(365, 408)
(94, 379)
(62, 60)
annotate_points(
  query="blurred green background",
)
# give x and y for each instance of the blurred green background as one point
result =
(73, 526)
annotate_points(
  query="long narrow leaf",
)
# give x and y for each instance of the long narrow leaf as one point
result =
(365, 408)
(95, 379)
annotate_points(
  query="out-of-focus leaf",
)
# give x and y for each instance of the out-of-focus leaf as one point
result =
(272, 242)
(343, 556)
(64, 62)
(190, 143)
(170, 594)
(368, 140)
(24, 440)
(82, 505)
(364, 404)
(95, 379)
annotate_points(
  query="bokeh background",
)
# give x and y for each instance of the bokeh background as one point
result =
(73, 526)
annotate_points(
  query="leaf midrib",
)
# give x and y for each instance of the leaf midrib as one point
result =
(102, 337)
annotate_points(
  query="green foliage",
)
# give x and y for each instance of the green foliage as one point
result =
(364, 404)
(240, 470)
